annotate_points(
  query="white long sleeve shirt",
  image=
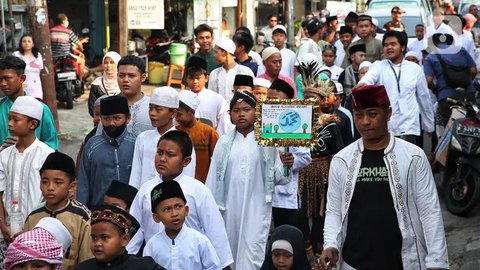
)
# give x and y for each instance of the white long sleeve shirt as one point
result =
(143, 164)
(203, 216)
(414, 196)
(408, 102)
(188, 250)
(214, 108)
(289, 58)
(221, 80)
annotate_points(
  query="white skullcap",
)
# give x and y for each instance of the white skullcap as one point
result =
(364, 64)
(414, 54)
(189, 98)
(261, 82)
(226, 44)
(306, 58)
(375, 22)
(269, 51)
(56, 228)
(165, 96)
(325, 68)
(282, 244)
(279, 27)
(339, 87)
(28, 106)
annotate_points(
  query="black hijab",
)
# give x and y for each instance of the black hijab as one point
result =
(295, 237)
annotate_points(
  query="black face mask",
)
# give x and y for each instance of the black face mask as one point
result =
(113, 131)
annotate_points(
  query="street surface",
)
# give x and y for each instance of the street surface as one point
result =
(463, 233)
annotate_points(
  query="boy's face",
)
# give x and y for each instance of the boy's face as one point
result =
(220, 55)
(372, 123)
(33, 265)
(116, 120)
(237, 88)
(197, 82)
(279, 39)
(275, 94)
(364, 28)
(282, 259)
(55, 186)
(112, 201)
(107, 242)
(19, 124)
(260, 92)
(171, 212)
(130, 79)
(11, 82)
(362, 72)
(169, 160)
(160, 116)
(328, 57)
(204, 40)
(185, 117)
(419, 32)
(96, 115)
(346, 39)
(358, 57)
(243, 115)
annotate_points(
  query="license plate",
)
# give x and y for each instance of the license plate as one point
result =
(67, 76)
(468, 131)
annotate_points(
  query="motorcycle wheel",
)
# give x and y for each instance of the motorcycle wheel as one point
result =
(462, 197)
(69, 99)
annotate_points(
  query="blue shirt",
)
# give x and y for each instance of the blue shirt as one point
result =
(103, 160)
(250, 63)
(433, 68)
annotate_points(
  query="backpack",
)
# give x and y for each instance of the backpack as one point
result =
(455, 76)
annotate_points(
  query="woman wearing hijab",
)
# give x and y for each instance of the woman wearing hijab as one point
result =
(286, 250)
(106, 84)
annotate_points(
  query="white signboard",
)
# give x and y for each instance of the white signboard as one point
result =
(208, 12)
(145, 14)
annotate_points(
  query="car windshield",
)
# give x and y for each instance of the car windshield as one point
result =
(390, 4)
(408, 21)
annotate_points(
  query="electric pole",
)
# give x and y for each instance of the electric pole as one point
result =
(38, 14)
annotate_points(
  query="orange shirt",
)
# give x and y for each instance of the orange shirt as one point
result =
(204, 139)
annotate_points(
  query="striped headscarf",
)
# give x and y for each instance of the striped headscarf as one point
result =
(35, 245)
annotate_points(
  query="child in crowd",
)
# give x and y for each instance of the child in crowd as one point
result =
(243, 82)
(19, 168)
(112, 229)
(213, 108)
(177, 246)
(57, 180)
(120, 195)
(329, 55)
(173, 155)
(107, 156)
(242, 179)
(286, 250)
(260, 89)
(35, 249)
(204, 137)
(163, 109)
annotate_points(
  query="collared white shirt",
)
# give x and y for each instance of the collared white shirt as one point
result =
(336, 71)
(289, 58)
(221, 80)
(418, 45)
(143, 164)
(340, 53)
(203, 216)
(214, 108)
(187, 251)
(408, 102)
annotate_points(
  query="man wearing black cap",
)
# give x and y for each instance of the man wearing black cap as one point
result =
(314, 30)
(243, 82)
(330, 35)
(107, 156)
(373, 46)
(346, 35)
(383, 210)
(396, 22)
(349, 77)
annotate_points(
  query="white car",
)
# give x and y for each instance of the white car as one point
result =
(413, 15)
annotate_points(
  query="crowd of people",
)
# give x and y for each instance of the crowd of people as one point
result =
(177, 179)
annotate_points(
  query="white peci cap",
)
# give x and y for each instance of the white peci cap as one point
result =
(189, 98)
(28, 106)
(226, 44)
(165, 96)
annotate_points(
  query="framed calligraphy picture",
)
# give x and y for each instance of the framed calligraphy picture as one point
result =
(287, 122)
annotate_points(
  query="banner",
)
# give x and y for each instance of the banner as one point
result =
(145, 14)
(208, 12)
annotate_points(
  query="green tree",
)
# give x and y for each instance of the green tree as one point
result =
(305, 126)
(276, 127)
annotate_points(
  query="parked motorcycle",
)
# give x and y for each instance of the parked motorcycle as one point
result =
(68, 84)
(457, 158)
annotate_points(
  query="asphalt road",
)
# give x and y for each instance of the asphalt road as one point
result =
(463, 233)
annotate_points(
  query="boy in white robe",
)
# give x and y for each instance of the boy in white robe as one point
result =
(204, 214)
(242, 179)
(20, 167)
(177, 246)
(163, 108)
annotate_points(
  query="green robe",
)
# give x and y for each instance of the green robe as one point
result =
(46, 132)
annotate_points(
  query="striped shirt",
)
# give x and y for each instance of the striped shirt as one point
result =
(62, 40)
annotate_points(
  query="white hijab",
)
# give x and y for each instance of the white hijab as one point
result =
(109, 82)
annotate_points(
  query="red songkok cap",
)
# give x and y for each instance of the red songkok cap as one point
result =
(368, 96)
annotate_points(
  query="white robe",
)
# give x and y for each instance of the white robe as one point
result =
(289, 58)
(203, 216)
(336, 71)
(20, 176)
(188, 250)
(221, 80)
(214, 108)
(247, 216)
(143, 164)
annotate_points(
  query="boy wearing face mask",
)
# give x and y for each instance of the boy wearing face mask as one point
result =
(106, 156)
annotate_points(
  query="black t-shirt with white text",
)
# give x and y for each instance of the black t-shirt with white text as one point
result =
(373, 240)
